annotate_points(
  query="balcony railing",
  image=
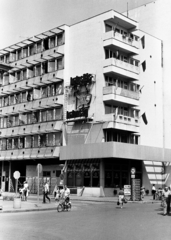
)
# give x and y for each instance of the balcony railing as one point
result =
(121, 119)
(120, 91)
(121, 64)
(122, 38)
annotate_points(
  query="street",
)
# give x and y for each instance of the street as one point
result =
(89, 220)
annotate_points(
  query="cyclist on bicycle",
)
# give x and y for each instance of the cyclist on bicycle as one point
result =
(66, 194)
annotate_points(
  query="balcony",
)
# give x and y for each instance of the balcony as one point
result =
(124, 69)
(121, 122)
(120, 41)
(118, 94)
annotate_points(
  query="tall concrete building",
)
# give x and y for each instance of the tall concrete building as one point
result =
(91, 95)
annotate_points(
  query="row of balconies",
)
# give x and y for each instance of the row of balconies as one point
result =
(31, 153)
(27, 48)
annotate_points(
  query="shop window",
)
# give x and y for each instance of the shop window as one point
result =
(108, 178)
(87, 179)
(46, 173)
(70, 179)
(95, 179)
(116, 179)
(78, 179)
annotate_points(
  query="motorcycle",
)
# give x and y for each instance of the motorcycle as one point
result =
(64, 205)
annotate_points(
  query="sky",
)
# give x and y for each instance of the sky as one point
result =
(21, 19)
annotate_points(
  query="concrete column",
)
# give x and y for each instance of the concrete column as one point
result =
(102, 178)
(9, 177)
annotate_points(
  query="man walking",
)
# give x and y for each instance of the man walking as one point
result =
(46, 192)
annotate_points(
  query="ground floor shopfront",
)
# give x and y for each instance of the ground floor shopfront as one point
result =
(51, 171)
(104, 168)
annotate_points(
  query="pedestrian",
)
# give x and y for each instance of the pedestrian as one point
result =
(46, 192)
(121, 197)
(166, 205)
(153, 191)
(25, 190)
(142, 193)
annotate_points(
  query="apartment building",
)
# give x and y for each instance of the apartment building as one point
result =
(89, 95)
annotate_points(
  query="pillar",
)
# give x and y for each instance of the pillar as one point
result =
(9, 177)
(102, 178)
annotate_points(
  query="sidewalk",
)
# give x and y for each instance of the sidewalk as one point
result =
(32, 203)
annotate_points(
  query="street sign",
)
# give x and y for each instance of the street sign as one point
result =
(16, 174)
(127, 190)
(133, 171)
(132, 175)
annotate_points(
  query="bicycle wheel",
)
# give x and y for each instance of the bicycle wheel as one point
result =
(60, 208)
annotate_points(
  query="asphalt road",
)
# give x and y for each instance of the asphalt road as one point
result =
(102, 221)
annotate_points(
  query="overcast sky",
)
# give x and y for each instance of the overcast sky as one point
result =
(21, 19)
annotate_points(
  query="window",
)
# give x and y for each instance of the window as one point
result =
(108, 28)
(25, 52)
(38, 70)
(59, 39)
(46, 44)
(52, 65)
(59, 64)
(39, 47)
(50, 115)
(32, 49)
(52, 42)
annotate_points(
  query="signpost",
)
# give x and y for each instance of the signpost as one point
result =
(39, 170)
(16, 175)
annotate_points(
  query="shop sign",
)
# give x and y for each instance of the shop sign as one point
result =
(133, 171)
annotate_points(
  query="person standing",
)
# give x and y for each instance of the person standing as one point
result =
(121, 197)
(25, 190)
(166, 195)
(153, 191)
(46, 192)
